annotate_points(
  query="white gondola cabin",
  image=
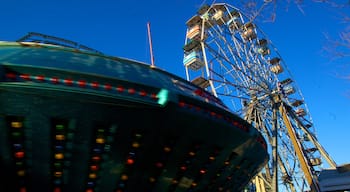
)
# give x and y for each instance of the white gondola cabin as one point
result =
(192, 45)
(288, 90)
(249, 32)
(194, 32)
(277, 68)
(315, 161)
(218, 14)
(297, 103)
(193, 61)
(234, 20)
(263, 49)
(201, 82)
(300, 112)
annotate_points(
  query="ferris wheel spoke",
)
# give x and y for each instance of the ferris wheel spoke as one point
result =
(247, 79)
(233, 54)
(222, 61)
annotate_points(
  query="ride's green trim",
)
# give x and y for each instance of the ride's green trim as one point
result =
(163, 97)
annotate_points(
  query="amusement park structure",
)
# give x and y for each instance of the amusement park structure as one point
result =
(74, 119)
(227, 54)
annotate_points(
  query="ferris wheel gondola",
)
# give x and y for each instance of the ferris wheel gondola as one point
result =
(227, 54)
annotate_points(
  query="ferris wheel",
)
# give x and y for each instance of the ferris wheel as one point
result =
(228, 55)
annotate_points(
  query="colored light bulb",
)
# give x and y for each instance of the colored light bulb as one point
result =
(100, 140)
(59, 156)
(60, 137)
(19, 154)
(16, 124)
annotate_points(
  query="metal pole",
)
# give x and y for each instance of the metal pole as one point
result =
(274, 183)
(150, 43)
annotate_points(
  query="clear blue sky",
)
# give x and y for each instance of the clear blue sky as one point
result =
(119, 28)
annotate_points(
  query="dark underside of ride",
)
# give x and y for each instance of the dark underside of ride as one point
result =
(75, 120)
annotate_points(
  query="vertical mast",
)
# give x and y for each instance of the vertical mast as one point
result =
(150, 43)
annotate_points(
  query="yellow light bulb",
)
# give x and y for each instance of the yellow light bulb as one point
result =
(59, 156)
(60, 137)
(100, 140)
(16, 124)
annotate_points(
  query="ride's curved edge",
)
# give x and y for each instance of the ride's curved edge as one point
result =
(80, 121)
